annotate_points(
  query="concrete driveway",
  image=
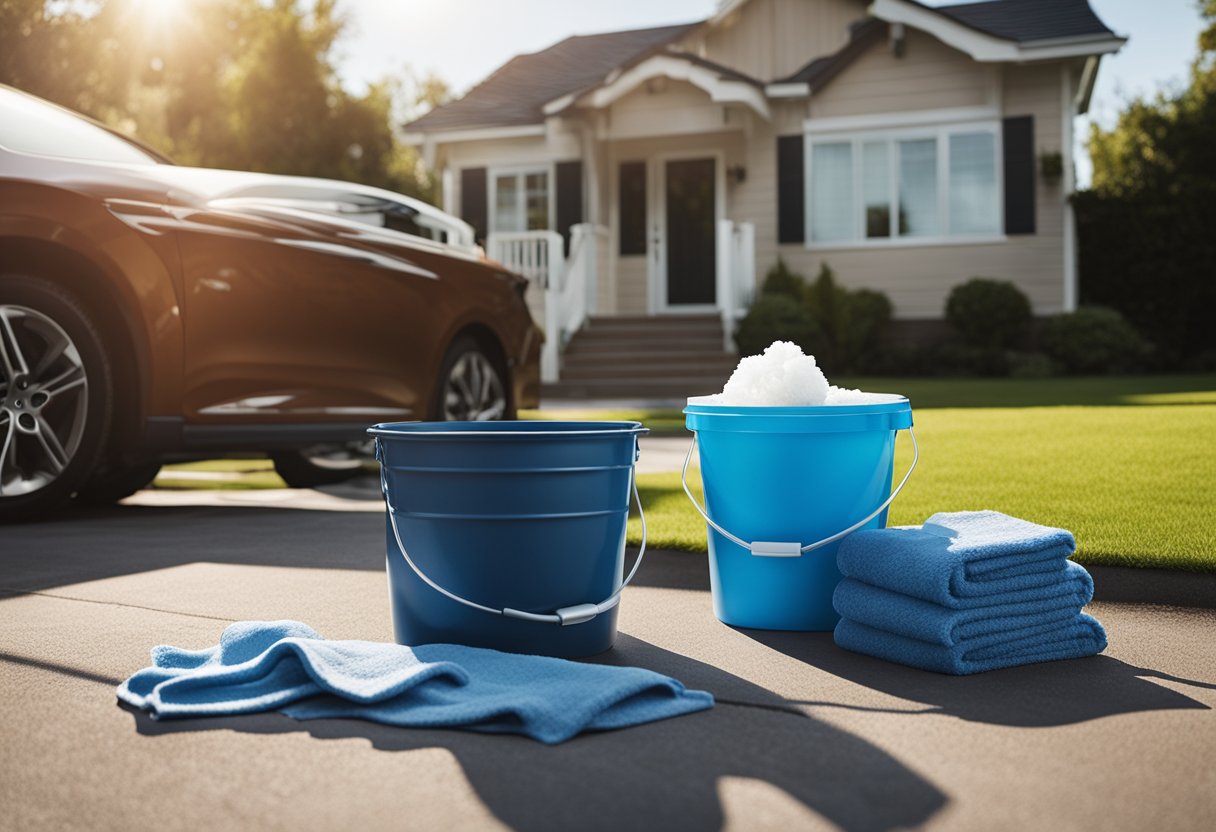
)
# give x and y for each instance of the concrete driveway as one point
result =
(804, 736)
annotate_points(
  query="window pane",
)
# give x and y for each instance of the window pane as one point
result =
(973, 200)
(918, 188)
(832, 192)
(632, 204)
(506, 204)
(537, 188)
(876, 187)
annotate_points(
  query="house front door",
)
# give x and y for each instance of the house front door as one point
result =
(689, 251)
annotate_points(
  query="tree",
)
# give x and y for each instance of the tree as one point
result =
(238, 84)
(1145, 227)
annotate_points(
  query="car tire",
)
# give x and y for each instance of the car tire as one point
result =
(473, 385)
(56, 396)
(108, 484)
(322, 465)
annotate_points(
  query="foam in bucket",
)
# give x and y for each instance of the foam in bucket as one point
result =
(784, 376)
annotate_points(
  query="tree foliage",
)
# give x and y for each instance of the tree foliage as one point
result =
(240, 84)
(1145, 228)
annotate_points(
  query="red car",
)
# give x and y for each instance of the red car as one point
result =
(151, 312)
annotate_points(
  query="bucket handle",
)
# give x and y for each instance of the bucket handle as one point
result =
(794, 550)
(565, 616)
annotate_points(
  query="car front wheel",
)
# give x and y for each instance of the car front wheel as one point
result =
(472, 386)
(55, 395)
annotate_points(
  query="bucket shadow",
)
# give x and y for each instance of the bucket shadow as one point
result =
(1031, 696)
(661, 775)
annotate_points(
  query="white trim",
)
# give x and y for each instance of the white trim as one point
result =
(792, 89)
(520, 172)
(1085, 90)
(558, 104)
(720, 90)
(941, 134)
(656, 263)
(1067, 187)
(988, 48)
(915, 118)
(474, 134)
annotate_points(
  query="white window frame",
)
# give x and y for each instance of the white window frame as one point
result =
(520, 172)
(892, 135)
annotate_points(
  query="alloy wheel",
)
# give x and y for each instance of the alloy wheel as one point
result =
(473, 391)
(43, 400)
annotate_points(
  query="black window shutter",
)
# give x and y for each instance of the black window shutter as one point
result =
(1018, 139)
(631, 200)
(791, 190)
(569, 198)
(473, 200)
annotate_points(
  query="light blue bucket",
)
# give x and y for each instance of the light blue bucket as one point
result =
(509, 535)
(783, 487)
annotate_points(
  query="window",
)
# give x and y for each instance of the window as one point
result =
(28, 125)
(521, 201)
(931, 184)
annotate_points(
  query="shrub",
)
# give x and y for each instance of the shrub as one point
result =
(1030, 365)
(1095, 339)
(953, 358)
(850, 323)
(781, 281)
(775, 317)
(989, 314)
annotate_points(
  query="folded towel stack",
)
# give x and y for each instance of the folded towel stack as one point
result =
(286, 666)
(967, 592)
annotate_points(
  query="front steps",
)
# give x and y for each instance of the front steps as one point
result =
(644, 357)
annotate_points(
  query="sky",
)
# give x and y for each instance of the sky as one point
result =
(463, 41)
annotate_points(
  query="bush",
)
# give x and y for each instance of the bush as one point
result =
(781, 281)
(775, 317)
(953, 358)
(1030, 365)
(1095, 339)
(850, 323)
(989, 314)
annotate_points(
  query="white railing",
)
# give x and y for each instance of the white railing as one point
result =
(561, 292)
(736, 278)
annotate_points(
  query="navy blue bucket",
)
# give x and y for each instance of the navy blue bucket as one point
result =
(509, 535)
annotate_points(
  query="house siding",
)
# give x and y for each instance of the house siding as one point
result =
(929, 76)
(919, 278)
(771, 39)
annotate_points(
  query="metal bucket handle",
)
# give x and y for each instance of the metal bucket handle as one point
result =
(771, 549)
(565, 616)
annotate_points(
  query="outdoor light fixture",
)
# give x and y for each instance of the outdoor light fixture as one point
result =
(737, 173)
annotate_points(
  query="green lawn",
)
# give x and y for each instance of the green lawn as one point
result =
(1125, 463)
(1132, 483)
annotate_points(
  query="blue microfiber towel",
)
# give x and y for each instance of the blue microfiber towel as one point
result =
(960, 559)
(1082, 636)
(288, 667)
(973, 625)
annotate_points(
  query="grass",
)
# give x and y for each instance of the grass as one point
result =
(1132, 483)
(1125, 463)
(958, 392)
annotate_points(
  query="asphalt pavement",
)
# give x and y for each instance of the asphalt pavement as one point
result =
(803, 736)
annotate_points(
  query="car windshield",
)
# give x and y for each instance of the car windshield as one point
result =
(29, 125)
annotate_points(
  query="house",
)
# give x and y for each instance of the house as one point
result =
(660, 172)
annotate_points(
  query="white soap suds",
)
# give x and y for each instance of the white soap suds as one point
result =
(783, 376)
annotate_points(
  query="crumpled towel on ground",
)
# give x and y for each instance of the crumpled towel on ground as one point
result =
(289, 667)
(960, 559)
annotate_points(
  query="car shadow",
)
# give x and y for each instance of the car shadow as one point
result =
(1031, 696)
(661, 775)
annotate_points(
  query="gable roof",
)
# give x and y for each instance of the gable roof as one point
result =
(1027, 20)
(515, 95)
(517, 92)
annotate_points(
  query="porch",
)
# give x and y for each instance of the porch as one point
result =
(566, 294)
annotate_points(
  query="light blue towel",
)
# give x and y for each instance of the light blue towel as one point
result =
(1083, 636)
(960, 559)
(288, 667)
(974, 626)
